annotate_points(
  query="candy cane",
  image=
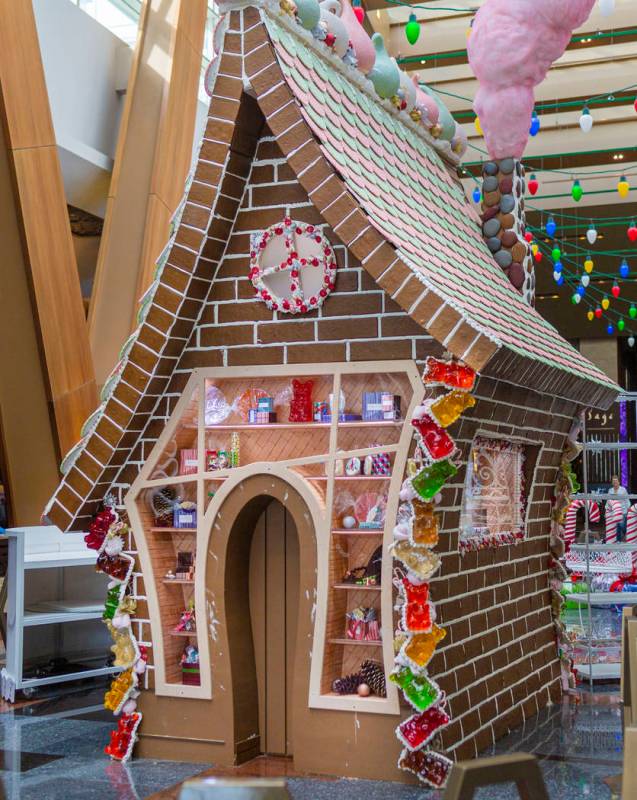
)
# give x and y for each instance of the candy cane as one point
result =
(631, 529)
(613, 513)
(570, 522)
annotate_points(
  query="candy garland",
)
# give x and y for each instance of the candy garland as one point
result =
(106, 536)
(566, 485)
(415, 534)
(296, 236)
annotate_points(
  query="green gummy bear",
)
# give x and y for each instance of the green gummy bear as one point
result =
(430, 480)
(112, 603)
(419, 691)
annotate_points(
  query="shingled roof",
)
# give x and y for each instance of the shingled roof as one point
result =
(389, 192)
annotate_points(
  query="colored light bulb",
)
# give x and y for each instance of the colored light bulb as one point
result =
(560, 278)
(621, 324)
(632, 312)
(605, 303)
(551, 227)
(535, 124)
(556, 254)
(586, 120)
(412, 29)
(577, 191)
(586, 279)
(623, 187)
(609, 329)
(624, 269)
(581, 291)
(615, 290)
(477, 195)
(591, 234)
(631, 341)
(478, 126)
(588, 264)
(590, 316)
(576, 299)
(533, 185)
(359, 11)
(598, 312)
(632, 232)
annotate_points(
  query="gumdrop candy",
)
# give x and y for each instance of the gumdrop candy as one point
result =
(418, 729)
(424, 529)
(420, 647)
(435, 439)
(419, 690)
(450, 373)
(430, 767)
(430, 480)
(301, 402)
(448, 408)
(420, 561)
(417, 612)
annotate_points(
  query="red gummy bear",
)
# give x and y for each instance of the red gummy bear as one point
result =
(434, 438)
(417, 610)
(99, 528)
(418, 729)
(115, 566)
(430, 767)
(301, 402)
(121, 738)
(450, 373)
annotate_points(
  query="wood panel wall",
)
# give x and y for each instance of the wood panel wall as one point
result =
(152, 160)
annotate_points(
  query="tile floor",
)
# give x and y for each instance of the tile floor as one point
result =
(52, 749)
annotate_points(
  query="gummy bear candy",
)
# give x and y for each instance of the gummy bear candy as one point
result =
(420, 647)
(448, 408)
(430, 480)
(418, 560)
(123, 739)
(301, 402)
(124, 647)
(116, 566)
(424, 529)
(435, 439)
(419, 690)
(119, 689)
(99, 528)
(430, 767)
(450, 373)
(417, 616)
(112, 603)
(418, 729)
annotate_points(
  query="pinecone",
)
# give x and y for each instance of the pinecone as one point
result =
(347, 685)
(373, 674)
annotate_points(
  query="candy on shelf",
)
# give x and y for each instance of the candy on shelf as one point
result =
(381, 406)
(362, 624)
(186, 622)
(190, 674)
(301, 402)
(188, 461)
(185, 569)
(185, 514)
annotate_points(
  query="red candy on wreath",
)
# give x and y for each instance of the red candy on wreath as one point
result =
(99, 528)
(435, 439)
(449, 373)
(418, 729)
(417, 609)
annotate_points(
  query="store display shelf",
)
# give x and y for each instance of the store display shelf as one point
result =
(252, 426)
(603, 598)
(358, 532)
(173, 530)
(178, 581)
(184, 633)
(601, 670)
(349, 477)
(600, 547)
(51, 618)
(357, 587)
(358, 642)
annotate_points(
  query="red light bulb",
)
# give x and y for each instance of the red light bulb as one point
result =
(598, 313)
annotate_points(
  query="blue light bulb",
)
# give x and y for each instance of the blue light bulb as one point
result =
(558, 266)
(477, 194)
(581, 291)
(551, 227)
(610, 330)
(560, 279)
(535, 124)
(624, 269)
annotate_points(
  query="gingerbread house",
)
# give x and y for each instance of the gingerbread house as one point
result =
(307, 516)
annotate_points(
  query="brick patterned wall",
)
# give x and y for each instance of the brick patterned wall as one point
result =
(498, 662)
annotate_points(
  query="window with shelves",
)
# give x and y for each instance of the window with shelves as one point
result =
(232, 423)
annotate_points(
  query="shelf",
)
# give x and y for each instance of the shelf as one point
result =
(359, 532)
(357, 587)
(183, 633)
(53, 617)
(349, 477)
(600, 670)
(599, 547)
(357, 642)
(251, 426)
(603, 598)
(180, 581)
(70, 558)
(173, 530)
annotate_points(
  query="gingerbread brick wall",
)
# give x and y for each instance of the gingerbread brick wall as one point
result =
(498, 662)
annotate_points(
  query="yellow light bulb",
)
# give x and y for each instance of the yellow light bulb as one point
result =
(534, 249)
(588, 265)
(605, 303)
(591, 316)
(623, 187)
(478, 126)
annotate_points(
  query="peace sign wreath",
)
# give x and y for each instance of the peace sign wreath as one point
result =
(292, 267)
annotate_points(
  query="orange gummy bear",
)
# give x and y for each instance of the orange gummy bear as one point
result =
(422, 562)
(448, 408)
(420, 648)
(425, 527)
(119, 689)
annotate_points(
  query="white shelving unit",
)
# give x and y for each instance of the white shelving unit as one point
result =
(593, 670)
(40, 548)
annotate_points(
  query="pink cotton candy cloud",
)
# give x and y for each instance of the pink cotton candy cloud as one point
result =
(511, 48)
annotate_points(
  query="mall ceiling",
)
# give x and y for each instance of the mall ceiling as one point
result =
(598, 66)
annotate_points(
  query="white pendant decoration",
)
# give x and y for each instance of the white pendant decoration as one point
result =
(591, 234)
(586, 120)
